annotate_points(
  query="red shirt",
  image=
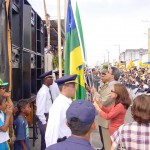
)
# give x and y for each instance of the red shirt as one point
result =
(115, 114)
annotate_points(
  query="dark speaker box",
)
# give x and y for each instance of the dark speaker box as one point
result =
(26, 68)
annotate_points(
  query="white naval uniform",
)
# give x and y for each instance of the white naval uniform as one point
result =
(54, 90)
(56, 126)
(43, 103)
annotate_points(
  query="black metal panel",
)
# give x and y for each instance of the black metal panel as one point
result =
(33, 81)
(16, 3)
(33, 30)
(15, 28)
(26, 75)
(16, 84)
(27, 26)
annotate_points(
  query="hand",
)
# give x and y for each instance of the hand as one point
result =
(96, 107)
(93, 89)
(95, 99)
(6, 94)
(8, 110)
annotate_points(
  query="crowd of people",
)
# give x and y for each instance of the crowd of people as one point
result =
(65, 124)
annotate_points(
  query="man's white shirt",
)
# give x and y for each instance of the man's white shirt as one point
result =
(54, 90)
(56, 126)
(43, 103)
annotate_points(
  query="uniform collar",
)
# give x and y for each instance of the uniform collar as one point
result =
(46, 87)
(66, 98)
(81, 141)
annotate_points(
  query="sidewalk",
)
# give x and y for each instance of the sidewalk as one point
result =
(95, 137)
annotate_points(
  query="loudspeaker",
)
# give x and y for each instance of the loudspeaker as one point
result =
(33, 61)
(27, 26)
(26, 68)
(15, 58)
(33, 19)
(16, 3)
(33, 30)
(16, 28)
(16, 84)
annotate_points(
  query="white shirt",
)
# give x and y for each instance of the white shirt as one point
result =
(54, 90)
(56, 127)
(4, 137)
(43, 103)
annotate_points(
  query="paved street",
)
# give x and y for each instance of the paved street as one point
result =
(95, 138)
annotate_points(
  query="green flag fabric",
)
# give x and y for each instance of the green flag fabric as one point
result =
(74, 58)
(79, 24)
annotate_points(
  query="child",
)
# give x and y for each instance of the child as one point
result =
(115, 113)
(21, 126)
(4, 123)
(9, 102)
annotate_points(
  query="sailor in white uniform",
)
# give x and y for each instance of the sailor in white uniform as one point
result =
(44, 101)
(57, 130)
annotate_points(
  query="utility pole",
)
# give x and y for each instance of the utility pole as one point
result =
(108, 57)
(104, 58)
(59, 38)
(119, 51)
(47, 20)
(149, 44)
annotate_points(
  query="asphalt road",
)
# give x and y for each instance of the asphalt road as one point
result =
(95, 137)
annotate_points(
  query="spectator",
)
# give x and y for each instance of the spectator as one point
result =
(21, 126)
(135, 135)
(4, 123)
(109, 78)
(116, 112)
(6, 94)
(80, 119)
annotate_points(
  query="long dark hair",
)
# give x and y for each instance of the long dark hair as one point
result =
(122, 95)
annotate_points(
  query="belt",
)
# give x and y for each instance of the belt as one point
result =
(61, 139)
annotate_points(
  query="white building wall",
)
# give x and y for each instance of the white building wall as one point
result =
(134, 55)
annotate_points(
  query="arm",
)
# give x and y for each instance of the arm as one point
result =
(106, 110)
(113, 113)
(5, 127)
(41, 103)
(112, 148)
(23, 145)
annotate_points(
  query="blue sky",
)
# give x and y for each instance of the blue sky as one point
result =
(107, 23)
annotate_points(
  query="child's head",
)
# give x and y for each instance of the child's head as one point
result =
(24, 107)
(3, 103)
(141, 109)
(120, 94)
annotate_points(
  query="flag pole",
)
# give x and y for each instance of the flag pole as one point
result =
(59, 38)
(65, 14)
